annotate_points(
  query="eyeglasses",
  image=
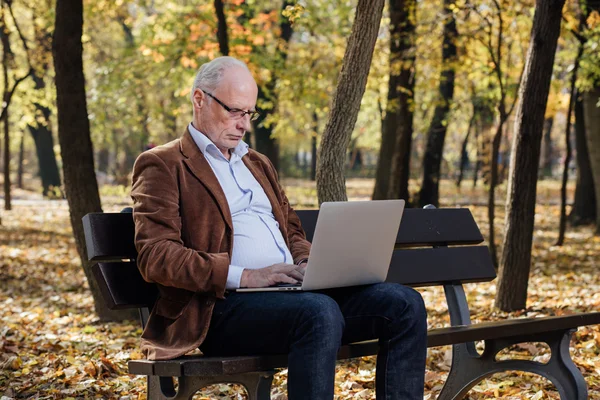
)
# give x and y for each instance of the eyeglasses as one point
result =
(235, 112)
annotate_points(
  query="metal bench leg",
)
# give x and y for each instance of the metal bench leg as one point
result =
(561, 370)
(465, 372)
(257, 384)
(160, 388)
(468, 370)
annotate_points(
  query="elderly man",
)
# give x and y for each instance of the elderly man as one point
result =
(211, 217)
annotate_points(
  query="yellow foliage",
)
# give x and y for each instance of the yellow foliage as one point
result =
(593, 19)
(188, 62)
(258, 40)
(241, 49)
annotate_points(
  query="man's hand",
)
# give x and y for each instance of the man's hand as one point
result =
(269, 276)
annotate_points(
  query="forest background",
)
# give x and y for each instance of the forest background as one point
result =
(437, 122)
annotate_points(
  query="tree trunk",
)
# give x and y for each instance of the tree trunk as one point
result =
(346, 101)
(429, 193)
(402, 145)
(170, 118)
(74, 134)
(493, 177)
(520, 204)
(503, 173)
(464, 155)
(7, 57)
(592, 131)
(313, 158)
(130, 151)
(265, 143)
(484, 112)
(298, 161)
(40, 130)
(492, 190)
(8, 92)
(486, 120)
(477, 158)
(546, 156)
(393, 165)
(44, 146)
(222, 36)
(102, 158)
(584, 205)
(563, 190)
(357, 162)
(263, 139)
(7, 194)
(21, 160)
(496, 60)
(476, 171)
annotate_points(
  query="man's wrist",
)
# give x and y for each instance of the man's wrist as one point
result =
(234, 277)
(244, 278)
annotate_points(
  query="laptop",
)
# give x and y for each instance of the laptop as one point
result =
(352, 245)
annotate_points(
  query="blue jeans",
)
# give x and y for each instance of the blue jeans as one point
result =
(311, 326)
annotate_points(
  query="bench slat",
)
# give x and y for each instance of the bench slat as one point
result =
(211, 366)
(419, 227)
(443, 265)
(122, 286)
(443, 226)
(109, 236)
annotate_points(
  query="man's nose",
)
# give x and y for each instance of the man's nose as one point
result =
(244, 123)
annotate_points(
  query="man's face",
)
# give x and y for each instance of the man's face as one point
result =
(237, 90)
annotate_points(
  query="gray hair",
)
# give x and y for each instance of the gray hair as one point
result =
(210, 74)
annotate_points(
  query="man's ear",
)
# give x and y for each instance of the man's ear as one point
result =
(198, 99)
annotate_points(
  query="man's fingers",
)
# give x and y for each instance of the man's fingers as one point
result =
(283, 268)
(279, 265)
(287, 273)
(296, 275)
(283, 278)
(296, 271)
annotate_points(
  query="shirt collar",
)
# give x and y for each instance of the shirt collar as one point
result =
(206, 145)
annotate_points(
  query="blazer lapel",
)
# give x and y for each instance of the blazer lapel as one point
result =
(200, 168)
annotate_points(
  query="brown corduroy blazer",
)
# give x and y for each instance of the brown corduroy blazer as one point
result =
(184, 238)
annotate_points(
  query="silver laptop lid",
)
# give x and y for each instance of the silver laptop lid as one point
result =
(353, 243)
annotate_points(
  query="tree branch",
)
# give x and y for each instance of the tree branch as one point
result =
(499, 54)
(23, 40)
(582, 24)
(9, 94)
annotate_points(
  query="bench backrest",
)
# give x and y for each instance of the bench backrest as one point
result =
(422, 256)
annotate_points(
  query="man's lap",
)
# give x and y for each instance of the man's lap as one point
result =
(264, 322)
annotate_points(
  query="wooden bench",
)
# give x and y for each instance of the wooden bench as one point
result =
(433, 247)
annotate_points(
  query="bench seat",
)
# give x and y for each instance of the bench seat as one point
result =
(213, 366)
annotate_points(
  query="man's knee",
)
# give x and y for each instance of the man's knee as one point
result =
(407, 302)
(321, 317)
(417, 307)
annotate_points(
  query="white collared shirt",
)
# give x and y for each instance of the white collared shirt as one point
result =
(257, 240)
